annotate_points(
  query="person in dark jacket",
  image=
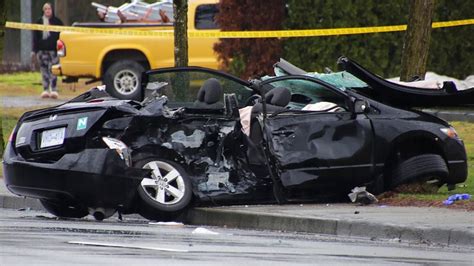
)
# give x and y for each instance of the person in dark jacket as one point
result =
(44, 46)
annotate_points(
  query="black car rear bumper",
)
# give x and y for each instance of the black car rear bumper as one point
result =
(93, 177)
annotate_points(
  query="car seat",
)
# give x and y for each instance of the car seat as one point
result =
(209, 95)
(276, 100)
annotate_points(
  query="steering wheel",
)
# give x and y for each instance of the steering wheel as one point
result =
(252, 100)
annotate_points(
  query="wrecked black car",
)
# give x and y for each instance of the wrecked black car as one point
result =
(205, 137)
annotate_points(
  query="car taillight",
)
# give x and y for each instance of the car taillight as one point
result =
(61, 48)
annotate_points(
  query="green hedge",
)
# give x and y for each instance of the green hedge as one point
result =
(450, 51)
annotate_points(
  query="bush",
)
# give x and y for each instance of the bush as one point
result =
(450, 48)
(250, 57)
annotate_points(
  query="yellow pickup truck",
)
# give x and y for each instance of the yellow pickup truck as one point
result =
(119, 60)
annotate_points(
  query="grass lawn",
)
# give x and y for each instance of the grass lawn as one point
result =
(29, 84)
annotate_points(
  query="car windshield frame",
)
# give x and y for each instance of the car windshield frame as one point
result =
(146, 76)
(334, 89)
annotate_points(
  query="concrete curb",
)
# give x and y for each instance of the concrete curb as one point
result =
(249, 220)
(279, 222)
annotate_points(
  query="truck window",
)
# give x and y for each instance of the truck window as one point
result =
(204, 18)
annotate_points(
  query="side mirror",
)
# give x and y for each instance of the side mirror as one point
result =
(361, 106)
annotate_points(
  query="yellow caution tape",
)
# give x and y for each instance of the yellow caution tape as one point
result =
(114, 31)
(234, 34)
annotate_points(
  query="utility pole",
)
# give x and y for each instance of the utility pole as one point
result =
(417, 40)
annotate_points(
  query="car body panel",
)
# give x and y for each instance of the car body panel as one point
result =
(301, 150)
(324, 145)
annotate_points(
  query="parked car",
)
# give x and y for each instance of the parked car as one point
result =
(202, 136)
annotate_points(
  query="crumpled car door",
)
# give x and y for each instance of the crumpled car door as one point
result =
(318, 146)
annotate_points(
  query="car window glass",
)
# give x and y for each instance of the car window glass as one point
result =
(310, 96)
(182, 87)
(204, 18)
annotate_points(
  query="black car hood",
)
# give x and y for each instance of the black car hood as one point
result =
(382, 90)
(406, 96)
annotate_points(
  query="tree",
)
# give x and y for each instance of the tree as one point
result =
(181, 82)
(450, 48)
(3, 17)
(61, 10)
(249, 57)
(417, 40)
(180, 32)
(379, 52)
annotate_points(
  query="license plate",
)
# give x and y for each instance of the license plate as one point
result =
(52, 137)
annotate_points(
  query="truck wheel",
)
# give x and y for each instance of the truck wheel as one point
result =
(421, 168)
(167, 194)
(123, 80)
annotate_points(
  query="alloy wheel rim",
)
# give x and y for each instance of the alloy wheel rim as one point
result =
(126, 82)
(166, 185)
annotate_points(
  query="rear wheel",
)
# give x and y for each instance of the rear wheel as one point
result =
(60, 209)
(167, 194)
(420, 168)
(123, 79)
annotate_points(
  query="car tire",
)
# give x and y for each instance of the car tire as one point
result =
(63, 210)
(167, 194)
(423, 167)
(123, 80)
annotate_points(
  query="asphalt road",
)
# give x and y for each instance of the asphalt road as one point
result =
(32, 237)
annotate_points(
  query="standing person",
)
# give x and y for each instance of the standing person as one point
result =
(44, 46)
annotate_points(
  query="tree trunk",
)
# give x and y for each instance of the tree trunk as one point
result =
(417, 40)
(181, 82)
(61, 10)
(180, 32)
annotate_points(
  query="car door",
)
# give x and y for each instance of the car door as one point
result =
(318, 139)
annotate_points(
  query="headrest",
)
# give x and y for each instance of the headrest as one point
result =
(279, 96)
(210, 91)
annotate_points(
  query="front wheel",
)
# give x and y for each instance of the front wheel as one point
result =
(123, 79)
(420, 168)
(167, 193)
(64, 210)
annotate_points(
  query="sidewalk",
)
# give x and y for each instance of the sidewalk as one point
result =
(437, 226)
